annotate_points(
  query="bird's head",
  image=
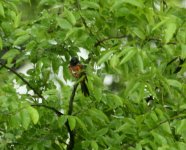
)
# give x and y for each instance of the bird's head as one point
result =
(74, 61)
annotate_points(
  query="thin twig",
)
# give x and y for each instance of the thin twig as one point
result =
(109, 38)
(24, 80)
(58, 113)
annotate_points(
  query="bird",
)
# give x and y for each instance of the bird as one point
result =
(78, 71)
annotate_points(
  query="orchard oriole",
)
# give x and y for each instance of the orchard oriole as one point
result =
(78, 71)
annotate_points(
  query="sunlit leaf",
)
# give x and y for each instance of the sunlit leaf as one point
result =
(63, 23)
(159, 138)
(72, 122)
(139, 61)
(71, 18)
(94, 145)
(160, 24)
(102, 132)
(25, 118)
(17, 20)
(21, 40)
(169, 31)
(62, 120)
(128, 56)
(98, 115)
(2, 13)
(105, 57)
(114, 61)
(80, 122)
(118, 3)
(139, 33)
(33, 114)
(88, 4)
(10, 55)
(183, 48)
(181, 127)
(174, 83)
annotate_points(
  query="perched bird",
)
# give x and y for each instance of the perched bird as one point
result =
(78, 71)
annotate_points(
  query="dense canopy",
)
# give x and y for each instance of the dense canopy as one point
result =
(134, 52)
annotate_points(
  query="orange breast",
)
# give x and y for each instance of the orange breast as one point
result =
(76, 70)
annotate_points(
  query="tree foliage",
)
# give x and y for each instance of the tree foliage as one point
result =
(140, 44)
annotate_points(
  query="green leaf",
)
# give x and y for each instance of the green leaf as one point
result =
(139, 33)
(1, 43)
(181, 145)
(139, 62)
(98, 114)
(160, 24)
(72, 122)
(88, 4)
(166, 127)
(134, 3)
(128, 56)
(15, 120)
(10, 55)
(169, 31)
(117, 101)
(94, 145)
(119, 3)
(62, 120)
(131, 87)
(154, 116)
(165, 84)
(55, 65)
(160, 114)
(181, 126)
(126, 128)
(2, 13)
(105, 57)
(183, 50)
(25, 118)
(17, 20)
(82, 125)
(71, 32)
(69, 15)
(174, 83)
(21, 40)
(101, 132)
(33, 114)
(63, 23)
(114, 61)
(159, 138)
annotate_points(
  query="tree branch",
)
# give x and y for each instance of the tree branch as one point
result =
(70, 108)
(70, 146)
(58, 113)
(20, 77)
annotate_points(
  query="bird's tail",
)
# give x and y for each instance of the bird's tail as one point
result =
(84, 88)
